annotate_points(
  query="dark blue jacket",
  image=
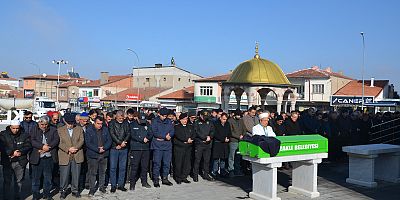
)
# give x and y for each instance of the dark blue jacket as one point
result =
(29, 127)
(92, 145)
(160, 130)
(138, 133)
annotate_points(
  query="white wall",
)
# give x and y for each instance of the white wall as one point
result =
(216, 90)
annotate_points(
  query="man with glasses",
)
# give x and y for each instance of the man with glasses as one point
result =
(14, 146)
(28, 125)
(45, 141)
(55, 120)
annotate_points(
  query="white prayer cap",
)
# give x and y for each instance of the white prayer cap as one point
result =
(15, 123)
(263, 115)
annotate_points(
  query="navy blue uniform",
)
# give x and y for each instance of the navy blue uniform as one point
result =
(162, 148)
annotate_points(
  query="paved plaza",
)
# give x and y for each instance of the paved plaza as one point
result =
(331, 185)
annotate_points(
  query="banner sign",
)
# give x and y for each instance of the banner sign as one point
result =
(350, 100)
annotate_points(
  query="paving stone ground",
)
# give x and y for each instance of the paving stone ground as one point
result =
(331, 185)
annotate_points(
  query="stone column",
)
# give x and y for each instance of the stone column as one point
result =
(251, 93)
(304, 178)
(226, 93)
(279, 103)
(238, 94)
(265, 181)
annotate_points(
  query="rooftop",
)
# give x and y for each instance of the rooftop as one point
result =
(185, 93)
(144, 93)
(218, 78)
(354, 88)
(316, 72)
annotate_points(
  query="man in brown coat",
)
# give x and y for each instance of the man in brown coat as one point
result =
(70, 155)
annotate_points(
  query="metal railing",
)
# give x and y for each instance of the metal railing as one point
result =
(386, 132)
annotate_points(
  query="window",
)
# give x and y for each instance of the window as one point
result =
(179, 79)
(318, 88)
(147, 79)
(62, 93)
(42, 94)
(84, 93)
(96, 92)
(301, 89)
(165, 79)
(206, 90)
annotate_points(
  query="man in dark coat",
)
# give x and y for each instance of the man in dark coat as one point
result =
(292, 126)
(120, 134)
(98, 143)
(279, 126)
(45, 142)
(14, 147)
(28, 125)
(140, 139)
(220, 151)
(204, 130)
(163, 131)
(183, 141)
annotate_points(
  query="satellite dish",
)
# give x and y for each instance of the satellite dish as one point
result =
(44, 75)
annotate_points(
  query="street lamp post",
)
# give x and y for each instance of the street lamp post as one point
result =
(59, 62)
(362, 72)
(138, 92)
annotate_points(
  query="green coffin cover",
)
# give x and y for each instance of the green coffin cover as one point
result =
(290, 145)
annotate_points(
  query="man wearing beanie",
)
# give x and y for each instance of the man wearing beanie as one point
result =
(238, 131)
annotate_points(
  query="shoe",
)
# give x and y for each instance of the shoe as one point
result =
(165, 181)
(91, 194)
(146, 185)
(178, 182)
(103, 190)
(63, 195)
(132, 187)
(208, 177)
(213, 174)
(123, 189)
(196, 178)
(156, 184)
(47, 197)
(185, 180)
(76, 195)
(113, 189)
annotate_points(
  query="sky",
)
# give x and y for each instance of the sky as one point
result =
(205, 37)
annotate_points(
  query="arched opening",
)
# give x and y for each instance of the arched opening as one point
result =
(288, 97)
(267, 99)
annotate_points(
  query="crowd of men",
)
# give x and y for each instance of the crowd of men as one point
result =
(91, 150)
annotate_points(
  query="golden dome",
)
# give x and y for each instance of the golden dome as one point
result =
(258, 71)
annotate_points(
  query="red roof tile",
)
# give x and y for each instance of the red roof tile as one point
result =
(186, 93)
(354, 88)
(218, 78)
(93, 83)
(144, 93)
(51, 77)
(315, 72)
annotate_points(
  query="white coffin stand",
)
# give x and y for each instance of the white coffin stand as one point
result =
(304, 175)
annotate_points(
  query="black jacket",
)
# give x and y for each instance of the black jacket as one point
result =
(182, 134)
(202, 129)
(138, 133)
(220, 147)
(292, 128)
(52, 138)
(10, 142)
(119, 132)
(29, 127)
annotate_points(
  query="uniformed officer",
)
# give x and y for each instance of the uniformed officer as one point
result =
(163, 131)
(204, 129)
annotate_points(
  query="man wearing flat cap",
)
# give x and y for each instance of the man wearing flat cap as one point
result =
(163, 131)
(14, 146)
(70, 155)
